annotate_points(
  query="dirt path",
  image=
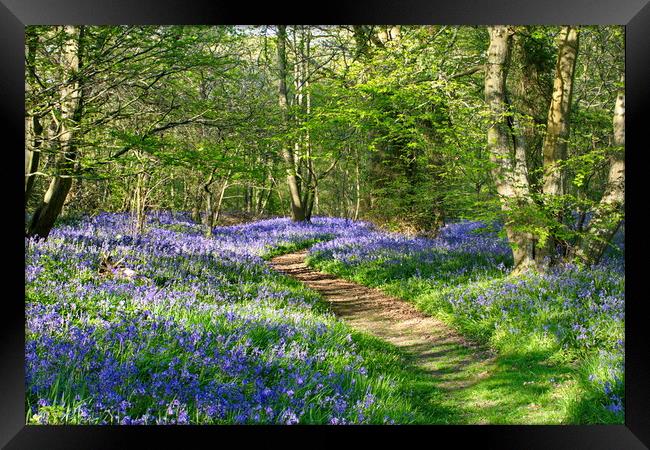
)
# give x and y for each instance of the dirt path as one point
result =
(432, 345)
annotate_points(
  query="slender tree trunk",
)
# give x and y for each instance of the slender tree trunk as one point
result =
(265, 202)
(172, 194)
(261, 195)
(105, 192)
(265, 199)
(196, 204)
(126, 200)
(222, 193)
(509, 175)
(312, 179)
(139, 203)
(255, 200)
(209, 210)
(185, 200)
(609, 213)
(297, 208)
(357, 184)
(71, 113)
(247, 198)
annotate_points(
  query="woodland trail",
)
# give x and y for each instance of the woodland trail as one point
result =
(430, 344)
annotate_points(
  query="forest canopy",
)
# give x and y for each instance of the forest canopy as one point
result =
(411, 127)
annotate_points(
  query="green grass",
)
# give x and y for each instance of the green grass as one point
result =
(532, 380)
(521, 388)
(415, 394)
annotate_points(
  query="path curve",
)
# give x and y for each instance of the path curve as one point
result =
(432, 345)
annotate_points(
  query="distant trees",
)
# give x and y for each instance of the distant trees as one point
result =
(111, 98)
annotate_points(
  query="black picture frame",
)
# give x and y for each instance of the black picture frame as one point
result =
(634, 14)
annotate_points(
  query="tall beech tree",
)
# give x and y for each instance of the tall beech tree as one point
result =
(297, 205)
(556, 140)
(509, 165)
(532, 229)
(557, 125)
(71, 104)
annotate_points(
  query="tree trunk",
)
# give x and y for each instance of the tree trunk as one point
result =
(308, 187)
(222, 192)
(297, 208)
(265, 199)
(557, 128)
(71, 111)
(509, 176)
(33, 126)
(261, 195)
(608, 215)
(309, 202)
(209, 210)
(138, 208)
(357, 184)
(196, 204)
(554, 150)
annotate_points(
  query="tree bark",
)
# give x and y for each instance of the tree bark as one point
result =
(555, 145)
(33, 126)
(209, 210)
(609, 213)
(509, 174)
(557, 128)
(357, 184)
(139, 203)
(71, 112)
(297, 208)
(222, 193)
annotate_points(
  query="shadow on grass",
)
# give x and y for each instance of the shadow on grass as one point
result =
(520, 388)
(420, 400)
(453, 386)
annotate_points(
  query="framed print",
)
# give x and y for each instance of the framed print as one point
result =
(375, 220)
